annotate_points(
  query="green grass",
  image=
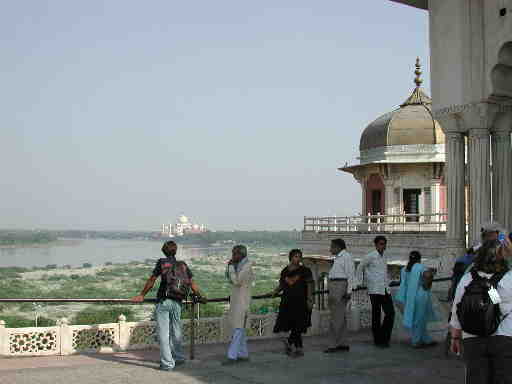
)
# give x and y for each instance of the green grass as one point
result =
(127, 280)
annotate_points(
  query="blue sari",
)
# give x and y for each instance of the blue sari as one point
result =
(417, 301)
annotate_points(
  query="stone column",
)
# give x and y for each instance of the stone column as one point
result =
(389, 202)
(479, 181)
(456, 228)
(435, 191)
(502, 171)
(362, 181)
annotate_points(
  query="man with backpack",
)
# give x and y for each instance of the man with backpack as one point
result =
(480, 320)
(175, 285)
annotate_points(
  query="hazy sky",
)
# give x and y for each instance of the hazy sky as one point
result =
(123, 114)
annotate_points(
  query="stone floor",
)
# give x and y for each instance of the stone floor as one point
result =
(364, 364)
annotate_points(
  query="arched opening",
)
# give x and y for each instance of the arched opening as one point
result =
(375, 195)
(501, 74)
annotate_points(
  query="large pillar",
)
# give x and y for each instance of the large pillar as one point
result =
(479, 181)
(456, 228)
(502, 170)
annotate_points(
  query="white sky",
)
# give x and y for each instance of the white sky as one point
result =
(124, 114)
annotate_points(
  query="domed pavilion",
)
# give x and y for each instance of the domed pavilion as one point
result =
(401, 162)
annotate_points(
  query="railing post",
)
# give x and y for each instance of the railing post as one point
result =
(66, 337)
(4, 339)
(193, 331)
(124, 333)
(354, 316)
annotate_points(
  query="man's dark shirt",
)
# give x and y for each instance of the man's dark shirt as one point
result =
(162, 264)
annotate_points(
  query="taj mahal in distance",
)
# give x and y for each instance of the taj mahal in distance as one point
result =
(432, 171)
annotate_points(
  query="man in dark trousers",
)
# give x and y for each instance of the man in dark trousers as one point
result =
(374, 267)
(168, 308)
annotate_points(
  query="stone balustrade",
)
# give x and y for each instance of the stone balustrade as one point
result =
(67, 339)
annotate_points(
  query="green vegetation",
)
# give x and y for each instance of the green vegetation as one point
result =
(96, 314)
(125, 281)
(19, 237)
(252, 238)
(23, 322)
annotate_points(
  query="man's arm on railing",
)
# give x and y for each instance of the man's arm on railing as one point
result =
(147, 287)
(200, 296)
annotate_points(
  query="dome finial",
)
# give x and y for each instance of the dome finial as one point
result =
(418, 73)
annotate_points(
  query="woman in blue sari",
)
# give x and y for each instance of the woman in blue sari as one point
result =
(415, 296)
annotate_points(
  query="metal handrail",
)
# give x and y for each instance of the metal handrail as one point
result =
(394, 283)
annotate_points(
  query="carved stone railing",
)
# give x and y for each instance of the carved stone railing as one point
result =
(435, 222)
(66, 339)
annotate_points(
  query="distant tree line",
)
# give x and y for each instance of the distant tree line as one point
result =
(253, 238)
(20, 237)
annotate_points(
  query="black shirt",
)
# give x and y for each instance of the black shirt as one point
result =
(162, 264)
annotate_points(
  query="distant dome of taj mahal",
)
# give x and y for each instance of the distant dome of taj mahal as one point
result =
(183, 219)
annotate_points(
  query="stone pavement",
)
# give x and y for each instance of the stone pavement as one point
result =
(364, 364)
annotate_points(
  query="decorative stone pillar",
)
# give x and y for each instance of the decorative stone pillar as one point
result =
(4, 339)
(66, 337)
(502, 170)
(124, 333)
(479, 181)
(456, 228)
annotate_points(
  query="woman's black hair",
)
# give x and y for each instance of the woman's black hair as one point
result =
(340, 243)
(294, 252)
(487, 259)
(414, 257)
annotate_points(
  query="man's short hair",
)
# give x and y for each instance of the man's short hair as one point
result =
(340, 243)
(241, 250)
(294, 252)
(379, 239)
(166, 246)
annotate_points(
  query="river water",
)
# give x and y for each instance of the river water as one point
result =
(93, 251)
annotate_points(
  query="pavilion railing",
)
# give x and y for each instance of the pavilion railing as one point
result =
(433, 222)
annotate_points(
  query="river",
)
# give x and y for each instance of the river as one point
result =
(94, 251)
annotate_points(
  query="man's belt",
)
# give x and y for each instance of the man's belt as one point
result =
(339, 279)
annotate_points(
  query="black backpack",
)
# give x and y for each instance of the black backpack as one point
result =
(178, 282)
(476, 312)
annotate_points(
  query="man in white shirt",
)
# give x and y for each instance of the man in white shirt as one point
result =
(341, 278)
(374, 266)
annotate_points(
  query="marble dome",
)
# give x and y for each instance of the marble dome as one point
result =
(183, 219)
(411, 124)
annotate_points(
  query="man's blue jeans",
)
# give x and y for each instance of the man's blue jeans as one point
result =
(168, 323)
